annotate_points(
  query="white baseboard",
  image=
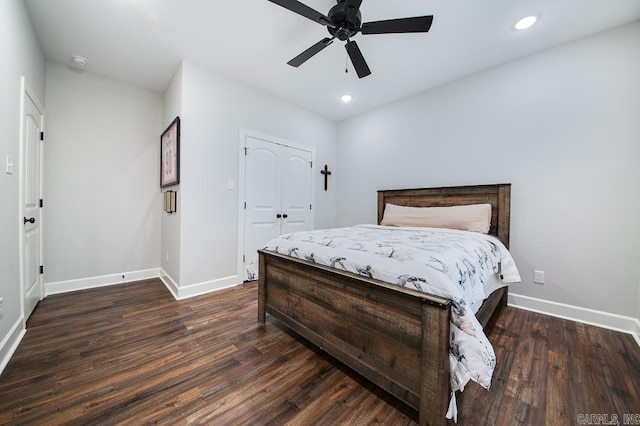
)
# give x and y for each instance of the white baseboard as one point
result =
(10, 343)
(636, 332)
(168, 282)
(101, 281)
(602, 319)
(178, 292)
(184, 292)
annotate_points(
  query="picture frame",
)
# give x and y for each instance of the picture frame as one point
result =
(172, 202)
(169, 201)
(170, 154)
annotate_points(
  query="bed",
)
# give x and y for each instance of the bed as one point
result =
(396, 337)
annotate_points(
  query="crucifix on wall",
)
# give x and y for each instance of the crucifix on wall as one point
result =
(326, 174)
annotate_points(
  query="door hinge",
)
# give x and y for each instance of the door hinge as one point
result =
(311, 164)
(245, 205)
(41, 269)
(309, 206)
(41, 136)
(245, 151)
(243, 258)
(41, 202)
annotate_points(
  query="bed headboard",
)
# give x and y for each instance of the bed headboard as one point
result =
(499, 196)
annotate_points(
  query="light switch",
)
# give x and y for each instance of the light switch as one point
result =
(9, 168)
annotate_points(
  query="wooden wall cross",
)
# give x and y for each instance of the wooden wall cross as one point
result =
(326, 174)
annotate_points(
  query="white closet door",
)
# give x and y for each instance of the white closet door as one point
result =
(263, 194)
(296, 190)
(31, 208)
(278, 191)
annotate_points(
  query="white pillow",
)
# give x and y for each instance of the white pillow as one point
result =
(472, 217)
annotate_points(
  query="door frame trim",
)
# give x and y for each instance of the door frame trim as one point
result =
(27, 90)
(244, 133)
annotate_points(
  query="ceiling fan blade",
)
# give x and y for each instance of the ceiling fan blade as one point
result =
(362, 69)
(307, 54)
(304, 10)
(418, 24)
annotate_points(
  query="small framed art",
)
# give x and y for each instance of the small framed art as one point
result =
(166, 203)
(170, 154)
(172, 202)
(169, 203)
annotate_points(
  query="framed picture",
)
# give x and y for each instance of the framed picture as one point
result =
(165, 205)
(170, 154)
(172, 202)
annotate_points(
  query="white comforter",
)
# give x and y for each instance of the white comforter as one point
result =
(448, 263)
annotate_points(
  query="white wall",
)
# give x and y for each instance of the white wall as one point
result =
(562, 126)
(638, 310)
(102, 194)
(21, 56)
(213, 111)
(170, 247)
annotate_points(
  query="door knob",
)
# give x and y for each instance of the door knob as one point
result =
(285, 215)
(278, 216)
(30, 220)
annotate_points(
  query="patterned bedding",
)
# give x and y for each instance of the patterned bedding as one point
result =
(447, 263)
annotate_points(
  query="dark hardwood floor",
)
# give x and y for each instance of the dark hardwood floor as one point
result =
(131, 354)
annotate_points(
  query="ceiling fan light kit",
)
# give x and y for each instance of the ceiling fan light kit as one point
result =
(343, 22)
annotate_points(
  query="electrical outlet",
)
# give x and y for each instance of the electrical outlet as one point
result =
(538, 277)
(1, 306)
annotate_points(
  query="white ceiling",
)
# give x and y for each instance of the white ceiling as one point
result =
(143, 41)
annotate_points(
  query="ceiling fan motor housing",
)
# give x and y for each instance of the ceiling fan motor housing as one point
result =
(346, 24)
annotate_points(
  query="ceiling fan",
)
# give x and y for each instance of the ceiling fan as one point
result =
(344, 21)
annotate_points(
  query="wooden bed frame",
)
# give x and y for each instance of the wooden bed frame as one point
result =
(396, 337)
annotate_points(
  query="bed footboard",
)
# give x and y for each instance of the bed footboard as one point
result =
(395, 337)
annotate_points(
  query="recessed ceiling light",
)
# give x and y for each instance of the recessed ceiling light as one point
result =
(80, 61)
(526, 22)
(346, 98)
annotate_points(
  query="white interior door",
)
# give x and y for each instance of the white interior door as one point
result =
(296, 190)
(278, 193)
(31, 196)
(263, 197)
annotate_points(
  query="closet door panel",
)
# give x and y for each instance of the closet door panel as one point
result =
(296, 190)
(263, 196)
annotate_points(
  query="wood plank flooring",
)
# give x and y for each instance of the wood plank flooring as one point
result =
(131, 354)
